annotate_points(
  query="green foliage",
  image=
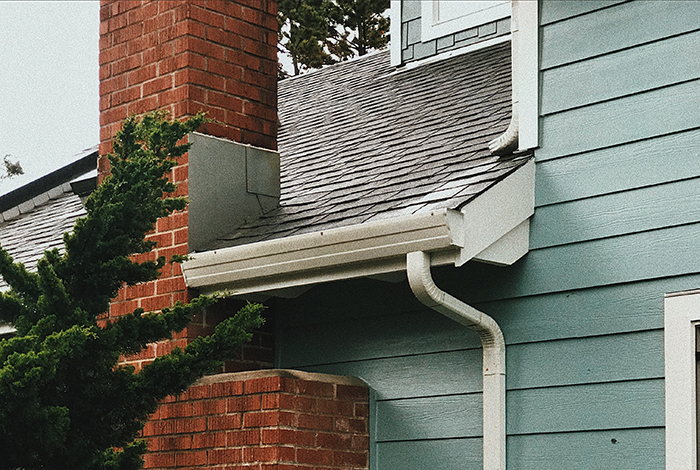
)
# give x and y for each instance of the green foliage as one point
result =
(364, 28)
(66, 402)
(304, 27)
(315, 33)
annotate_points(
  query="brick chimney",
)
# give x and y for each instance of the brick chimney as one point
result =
(185, 56)
(218, 56)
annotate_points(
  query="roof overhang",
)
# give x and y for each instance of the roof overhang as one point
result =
(493, 228)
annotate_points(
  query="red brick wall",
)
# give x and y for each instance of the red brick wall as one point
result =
(265, 420)
(218, 56)
(185, 56)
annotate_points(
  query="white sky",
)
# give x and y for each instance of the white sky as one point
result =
(49, 79)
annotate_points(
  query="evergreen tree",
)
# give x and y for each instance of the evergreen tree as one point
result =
(364, 28)
(315, 33)
(304, 28)
(66, 401)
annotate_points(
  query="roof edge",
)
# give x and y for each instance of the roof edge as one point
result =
(495, 218)
(52, 180)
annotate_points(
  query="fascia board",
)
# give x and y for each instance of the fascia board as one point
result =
(341, 253)
(497, 212)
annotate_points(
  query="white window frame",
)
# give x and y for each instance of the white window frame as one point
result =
(681, 315)
(432, 27)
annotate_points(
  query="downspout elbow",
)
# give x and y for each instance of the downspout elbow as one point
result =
(494, 354)
(425, 290)
(507, 142)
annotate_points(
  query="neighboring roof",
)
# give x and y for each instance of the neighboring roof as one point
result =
(34, 217)
(361, 142)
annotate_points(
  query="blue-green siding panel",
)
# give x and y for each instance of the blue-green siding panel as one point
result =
(420, 332)
(619, 405)
(582, 313)
(429, 418)
(616, 214)
(557, 10)
(415, 376)
(571, 314)
(448, 454)
(650, 114)
(644, 163)
(633, 449)
(626, 72)
(578, 361)
(622, 26)
(604, 310)
(616, 405)
(660, 253)
(597, 359)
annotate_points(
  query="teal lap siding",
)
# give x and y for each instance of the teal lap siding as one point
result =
(617, 225)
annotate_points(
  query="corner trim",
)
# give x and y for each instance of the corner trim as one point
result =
(523, 132)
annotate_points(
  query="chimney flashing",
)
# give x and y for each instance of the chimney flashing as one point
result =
(229, 184)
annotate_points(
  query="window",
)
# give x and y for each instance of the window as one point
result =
(681, 324)
(443, 17)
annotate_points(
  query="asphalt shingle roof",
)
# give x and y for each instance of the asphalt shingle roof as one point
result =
(27, 237)
(360, 141)
(35, 217)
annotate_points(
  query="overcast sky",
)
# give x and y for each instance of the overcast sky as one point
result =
(49, 82)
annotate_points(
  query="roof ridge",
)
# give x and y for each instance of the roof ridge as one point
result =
(50, 186)
(342, 63)
(37, 201)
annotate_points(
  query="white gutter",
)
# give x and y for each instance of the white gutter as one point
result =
(492, 228)
(494, 354)
(342, 253)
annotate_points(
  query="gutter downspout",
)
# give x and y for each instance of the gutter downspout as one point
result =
(494, 354)
(509, 141)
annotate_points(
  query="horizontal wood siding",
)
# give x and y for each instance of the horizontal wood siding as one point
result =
(650, 66)
(658, 160)
(617, 225)
(620, 121)
(557, 10)
(625, 25)
(634, 449)
(629, 449)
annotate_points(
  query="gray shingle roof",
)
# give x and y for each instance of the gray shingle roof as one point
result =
(36, 216)
(361, 142)
(27, 237)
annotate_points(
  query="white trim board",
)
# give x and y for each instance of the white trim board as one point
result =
(681, 313)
